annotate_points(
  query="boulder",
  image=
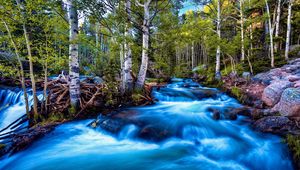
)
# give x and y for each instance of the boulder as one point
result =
(246, 75)
(267, 77)
(260, 113)
(201, 93)
(154, 133)
(272, 93)
(274, 124)
(293, 78)
(227, 114)
(297, 84)
(289, 104)
(216, 115)
(244, 111)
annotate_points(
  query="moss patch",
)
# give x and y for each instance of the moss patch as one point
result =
(294, 144)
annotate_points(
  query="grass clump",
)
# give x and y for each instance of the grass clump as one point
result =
(294, 144)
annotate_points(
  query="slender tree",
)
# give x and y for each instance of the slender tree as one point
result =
(28, 46)
(73, 55)
(288, 31)
(270, 33)
(277, 24)
(145, 51)
(128, 80)
(22, 77)
(218, 53)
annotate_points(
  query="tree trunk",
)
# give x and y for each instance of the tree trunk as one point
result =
(277, 24)
(97, 25)
(218, 54)
(22, 77)
(270, 33)
(73, 56)
(146, 31)
(46, 77)
(288, 32)
(122, 68)
(242, 31)
(251, 33)
(128, 54)
(35, 99)
(193, 55)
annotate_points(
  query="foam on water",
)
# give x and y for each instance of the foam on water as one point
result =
(12, 105)
(199, 142)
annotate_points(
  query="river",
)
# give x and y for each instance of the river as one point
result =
(196, 142)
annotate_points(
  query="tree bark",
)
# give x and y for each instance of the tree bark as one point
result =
(270, 33)
(22, 77)
(146, 31)
(242, 31)
(277, 24)
(288, 32)
(73, 56)
(35, 99)
(128, 54)
(27, 41)
(193, 55)
(218, 53)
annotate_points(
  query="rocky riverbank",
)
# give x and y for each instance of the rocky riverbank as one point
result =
(273, 98)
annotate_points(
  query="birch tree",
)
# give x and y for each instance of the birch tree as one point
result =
(288, 31)
(277, 21)
(145, 51)
(128, 80)
(73, 55)
(270, 33)
(242, 30)
(218, 54)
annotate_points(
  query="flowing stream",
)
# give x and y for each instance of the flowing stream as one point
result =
(195, 140)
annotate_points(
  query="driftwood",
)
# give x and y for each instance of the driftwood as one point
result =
(92, 95)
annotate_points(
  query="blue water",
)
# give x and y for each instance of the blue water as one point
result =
(197, 141)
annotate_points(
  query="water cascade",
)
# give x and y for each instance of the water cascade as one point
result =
(191, 138)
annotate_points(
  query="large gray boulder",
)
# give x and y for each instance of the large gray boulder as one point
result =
(289, 104)
(272, 93)
(274, 124)
(267, 77)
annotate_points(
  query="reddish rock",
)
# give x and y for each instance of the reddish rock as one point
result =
(289, 104)
(297, 84)
(272, 93)
(293, 78)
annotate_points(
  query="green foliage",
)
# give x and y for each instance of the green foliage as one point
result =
(294, 144)
(182, 71)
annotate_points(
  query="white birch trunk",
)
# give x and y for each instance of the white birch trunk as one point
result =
(73, 56)
(277, 24)
(218, 53)
(288, 32)
(242, 31)
(128, 79)
(146, 31)
(270, 33)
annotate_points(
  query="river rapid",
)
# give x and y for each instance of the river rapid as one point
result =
(197, 140)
